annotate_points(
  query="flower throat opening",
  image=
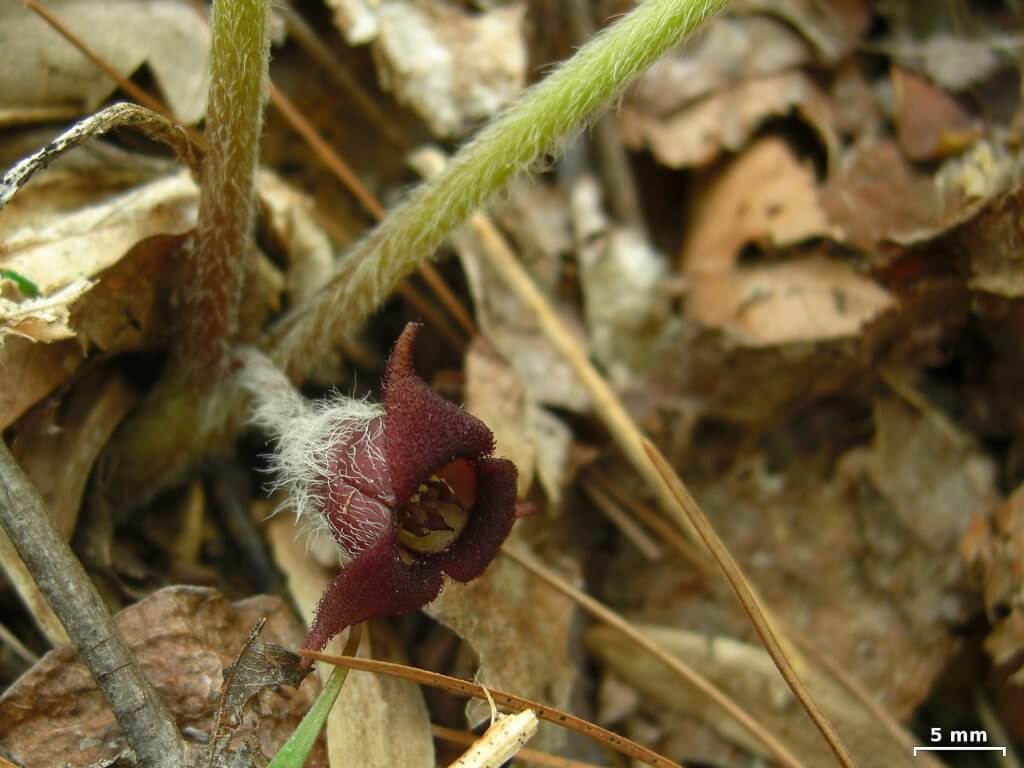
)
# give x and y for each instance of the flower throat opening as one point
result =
(431, 519)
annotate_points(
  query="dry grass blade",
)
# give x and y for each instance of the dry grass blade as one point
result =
(689, 675)
(454, 685)
(749, 601)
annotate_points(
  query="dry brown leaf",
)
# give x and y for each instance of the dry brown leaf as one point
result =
(42, 69)
(291, 222)
(182, 638)
(834, 29)
(519, 629)
(533, 439)
(549, 378)
(726, 120)
(805, 300)
(452, 67)
(878, 197)
(378, 721)
(766, 196)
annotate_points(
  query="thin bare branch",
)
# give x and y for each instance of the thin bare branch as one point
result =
(62, 579)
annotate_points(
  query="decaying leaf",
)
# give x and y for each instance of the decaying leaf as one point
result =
(867, 559)
(183, 638)
(43, 319)
(623, 280)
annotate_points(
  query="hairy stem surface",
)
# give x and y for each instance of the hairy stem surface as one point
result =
(215, 269)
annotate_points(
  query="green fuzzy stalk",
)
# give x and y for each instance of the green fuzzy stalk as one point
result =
(214, 271)
(515, 141)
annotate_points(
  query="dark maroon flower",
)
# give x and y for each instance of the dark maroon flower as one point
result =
(410, 495)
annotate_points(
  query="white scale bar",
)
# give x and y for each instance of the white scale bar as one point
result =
(959, 749)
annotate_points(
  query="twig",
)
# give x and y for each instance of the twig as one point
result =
(337, 165)
(995, 728)
(136, 705)
(665, 530)
(677, 665)
(460, 687)
(122, 115)
(748, 600)
(503, 740)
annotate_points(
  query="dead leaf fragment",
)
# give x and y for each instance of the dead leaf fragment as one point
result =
(748, 675)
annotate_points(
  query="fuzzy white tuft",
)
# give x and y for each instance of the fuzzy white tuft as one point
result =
(304, 435)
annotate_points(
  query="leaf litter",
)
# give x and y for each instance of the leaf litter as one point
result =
(821, 329)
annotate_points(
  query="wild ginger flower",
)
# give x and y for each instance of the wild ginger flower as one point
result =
(409, 491)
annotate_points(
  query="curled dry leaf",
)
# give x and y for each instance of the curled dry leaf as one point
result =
(183, 638)
(930, 123)
(43, 319)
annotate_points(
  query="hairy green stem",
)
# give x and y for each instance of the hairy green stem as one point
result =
(150, 458)
(511, 144)
(215, 269)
